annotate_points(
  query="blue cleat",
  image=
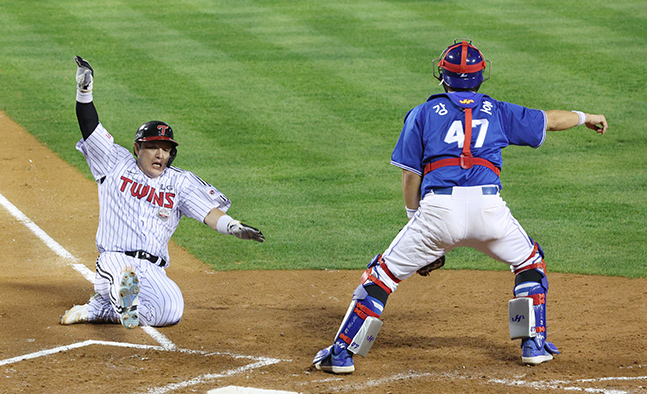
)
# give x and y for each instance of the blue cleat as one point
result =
(532, 354)
(327, 361)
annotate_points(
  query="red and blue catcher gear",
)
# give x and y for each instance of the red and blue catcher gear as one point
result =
(460, 66)
(157, 131)
(439, 124)
(531, 282)
(369, 299)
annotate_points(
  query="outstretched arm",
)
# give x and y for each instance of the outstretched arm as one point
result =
(225, 224)
(86, 113)
(563, 120)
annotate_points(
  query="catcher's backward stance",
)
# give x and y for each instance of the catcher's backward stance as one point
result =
(449, 151)
(141, 201)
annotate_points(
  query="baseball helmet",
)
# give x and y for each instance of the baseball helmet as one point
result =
(157, 131)
(461, 65)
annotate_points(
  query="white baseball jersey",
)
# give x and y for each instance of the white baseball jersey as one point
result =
(140, 213)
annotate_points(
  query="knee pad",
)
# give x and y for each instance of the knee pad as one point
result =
(378, 273)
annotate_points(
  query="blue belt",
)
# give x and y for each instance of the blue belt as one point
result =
(487, 190)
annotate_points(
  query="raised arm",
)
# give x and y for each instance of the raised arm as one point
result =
(86, 113)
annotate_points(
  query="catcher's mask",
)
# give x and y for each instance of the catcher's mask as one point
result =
(157, 131)
(460, 66)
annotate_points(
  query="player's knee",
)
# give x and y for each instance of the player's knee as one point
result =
(158, 316)
(532, 270)
(378, 273)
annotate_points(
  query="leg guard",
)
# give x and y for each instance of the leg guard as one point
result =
(360, 325)
(527, 312)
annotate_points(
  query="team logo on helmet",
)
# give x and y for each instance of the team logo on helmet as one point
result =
(162, 128)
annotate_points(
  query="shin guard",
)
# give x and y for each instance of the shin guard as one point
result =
(527, 311)
(361, 323)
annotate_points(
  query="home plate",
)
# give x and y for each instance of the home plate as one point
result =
(247, 390)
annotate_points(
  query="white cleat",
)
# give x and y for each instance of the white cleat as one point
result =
(128, 299)
(78, 314)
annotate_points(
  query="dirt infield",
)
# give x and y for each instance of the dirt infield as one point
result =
(443, 334)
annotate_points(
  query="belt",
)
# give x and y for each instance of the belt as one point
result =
(140, 254)
(487, 190)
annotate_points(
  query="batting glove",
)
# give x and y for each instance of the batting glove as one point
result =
(243, 231)
(84, 75)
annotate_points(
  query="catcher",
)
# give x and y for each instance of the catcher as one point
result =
(449, 151)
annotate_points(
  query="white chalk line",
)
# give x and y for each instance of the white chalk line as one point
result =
(213, 376)
(62, 252)
(566, 385)
(21, 217)
(168, 345)
(569, 385)
(165, 343)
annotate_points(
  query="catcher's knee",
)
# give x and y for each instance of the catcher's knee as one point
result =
(378, 273)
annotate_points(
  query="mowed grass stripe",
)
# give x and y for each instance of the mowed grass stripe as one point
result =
(292, 109)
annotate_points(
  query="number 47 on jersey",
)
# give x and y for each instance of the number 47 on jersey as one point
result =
(456, 133)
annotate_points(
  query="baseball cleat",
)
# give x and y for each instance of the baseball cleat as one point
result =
(77, 314)
(128, 299)
(531, 354)
(327, 361)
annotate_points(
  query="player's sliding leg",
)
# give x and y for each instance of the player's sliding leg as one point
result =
(128, 296)
(527, 311)
(360, 326)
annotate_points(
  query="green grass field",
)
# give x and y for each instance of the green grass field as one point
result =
(292, 109)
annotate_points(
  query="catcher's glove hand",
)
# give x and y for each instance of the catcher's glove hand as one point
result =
(243, 231)
(84, 75)
(424, 271)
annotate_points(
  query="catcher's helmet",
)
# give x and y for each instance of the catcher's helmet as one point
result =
(461, 66)
(157, 131)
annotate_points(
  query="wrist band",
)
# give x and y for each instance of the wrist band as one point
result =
(83, 98)
(582, 116)
(222, 224)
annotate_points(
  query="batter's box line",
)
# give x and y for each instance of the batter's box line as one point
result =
(91, 342)
(569, 385)
(207, 378)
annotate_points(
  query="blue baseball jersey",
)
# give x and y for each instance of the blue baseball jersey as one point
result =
(435, 130)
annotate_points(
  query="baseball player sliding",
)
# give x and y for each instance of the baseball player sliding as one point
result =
(449, 151)
(141, 201)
